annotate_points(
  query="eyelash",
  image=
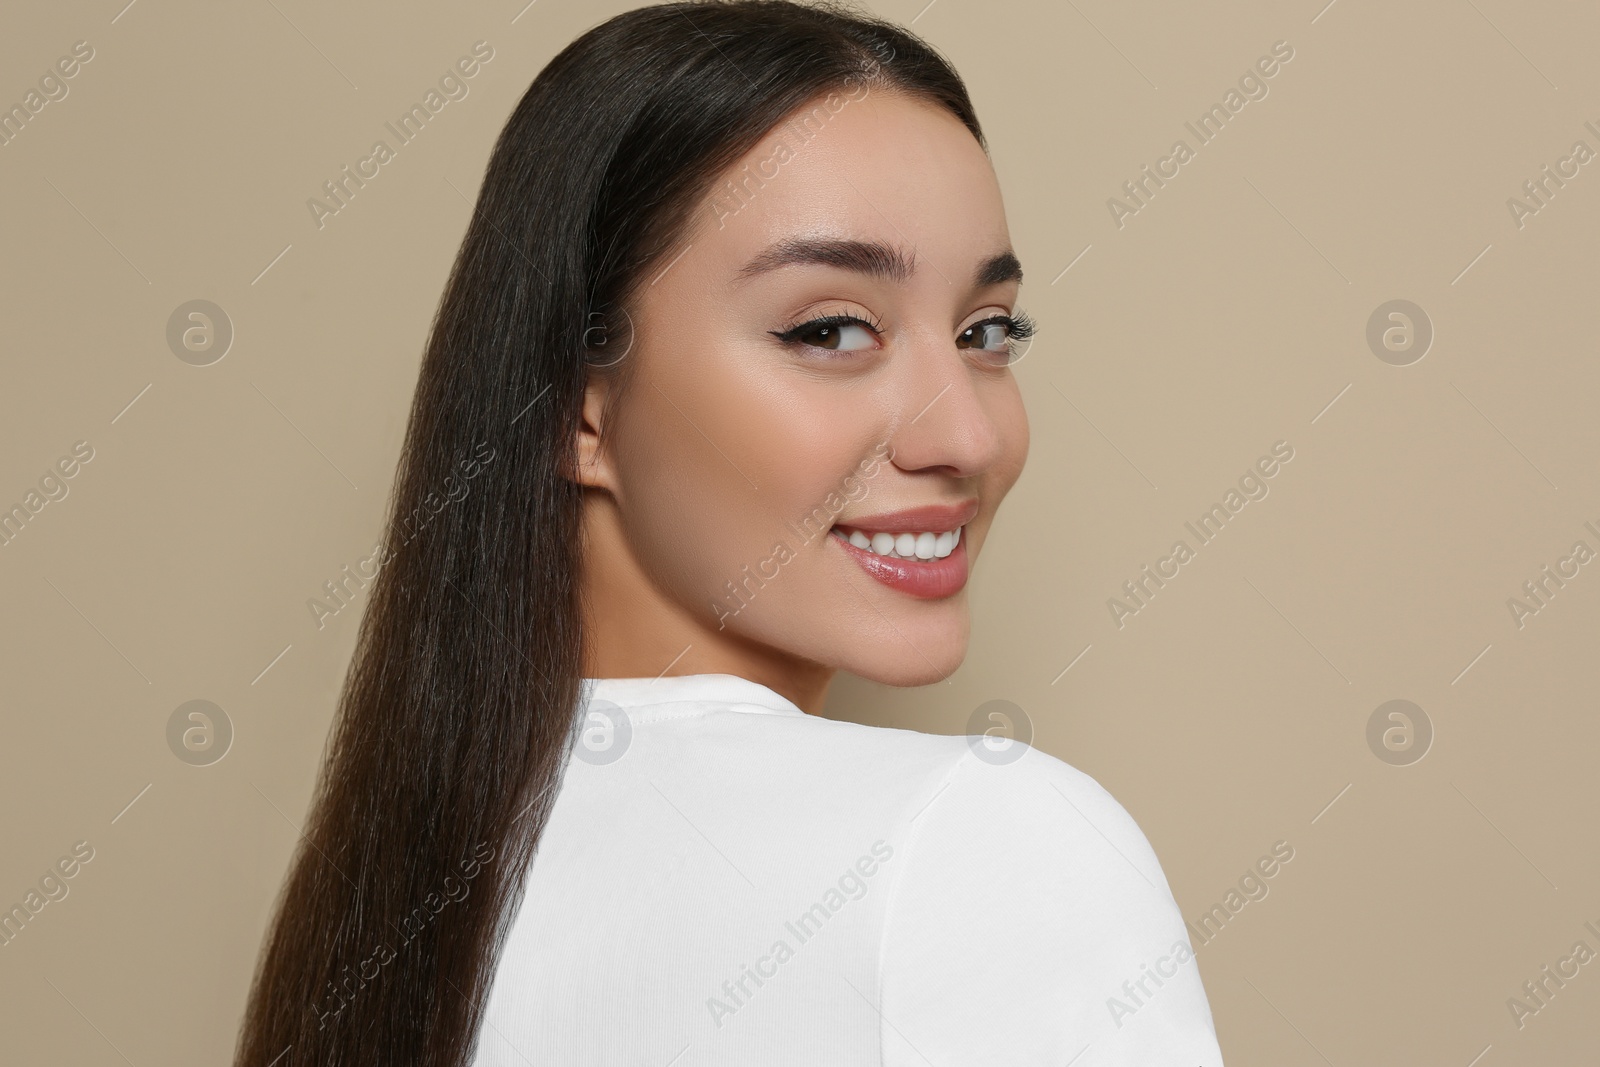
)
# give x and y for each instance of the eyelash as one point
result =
(1019, 327)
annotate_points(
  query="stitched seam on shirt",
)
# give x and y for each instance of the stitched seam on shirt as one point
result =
(655, 716)
(668, 716)
(899, 876)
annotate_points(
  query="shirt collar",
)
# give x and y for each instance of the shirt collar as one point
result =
(741, 693)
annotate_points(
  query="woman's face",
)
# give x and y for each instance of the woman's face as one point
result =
(726, 476)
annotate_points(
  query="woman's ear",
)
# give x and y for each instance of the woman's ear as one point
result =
(594, 465)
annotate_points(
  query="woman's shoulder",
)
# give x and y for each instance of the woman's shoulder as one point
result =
(965, 807)
(1010, 784)
(1026, 916)
(1027, 813)
(1026, 898)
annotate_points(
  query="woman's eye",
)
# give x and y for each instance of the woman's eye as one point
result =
(846, 337)
(992, 335)
(999, 334)
(838, 333)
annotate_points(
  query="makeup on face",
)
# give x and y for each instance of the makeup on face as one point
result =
(862, 303)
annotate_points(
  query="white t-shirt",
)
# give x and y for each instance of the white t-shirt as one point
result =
(728, 880)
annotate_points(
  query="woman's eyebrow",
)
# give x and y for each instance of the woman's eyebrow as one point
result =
(872, 258)
(1000, 267)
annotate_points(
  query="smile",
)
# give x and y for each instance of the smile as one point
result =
(925, 564)
(910, 545)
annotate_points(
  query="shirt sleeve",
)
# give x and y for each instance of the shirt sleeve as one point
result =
(1032, 924)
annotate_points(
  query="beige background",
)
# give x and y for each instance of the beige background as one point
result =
(1229, 313)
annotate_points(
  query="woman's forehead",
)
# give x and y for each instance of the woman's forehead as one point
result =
(887, 170)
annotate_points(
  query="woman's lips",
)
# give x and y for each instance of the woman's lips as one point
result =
(931, 579)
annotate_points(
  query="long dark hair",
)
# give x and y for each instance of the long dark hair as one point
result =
(458, 711)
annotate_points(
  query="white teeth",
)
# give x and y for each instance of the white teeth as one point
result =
(919, 545)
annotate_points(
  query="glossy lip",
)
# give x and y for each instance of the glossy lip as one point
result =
(932, 579)
(934, 518)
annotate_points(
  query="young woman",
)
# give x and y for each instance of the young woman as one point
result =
(718, 402)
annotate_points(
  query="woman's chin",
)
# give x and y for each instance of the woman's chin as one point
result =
(912, 659)
(904, 675)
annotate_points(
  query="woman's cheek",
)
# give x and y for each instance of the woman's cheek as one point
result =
(1014, 420)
